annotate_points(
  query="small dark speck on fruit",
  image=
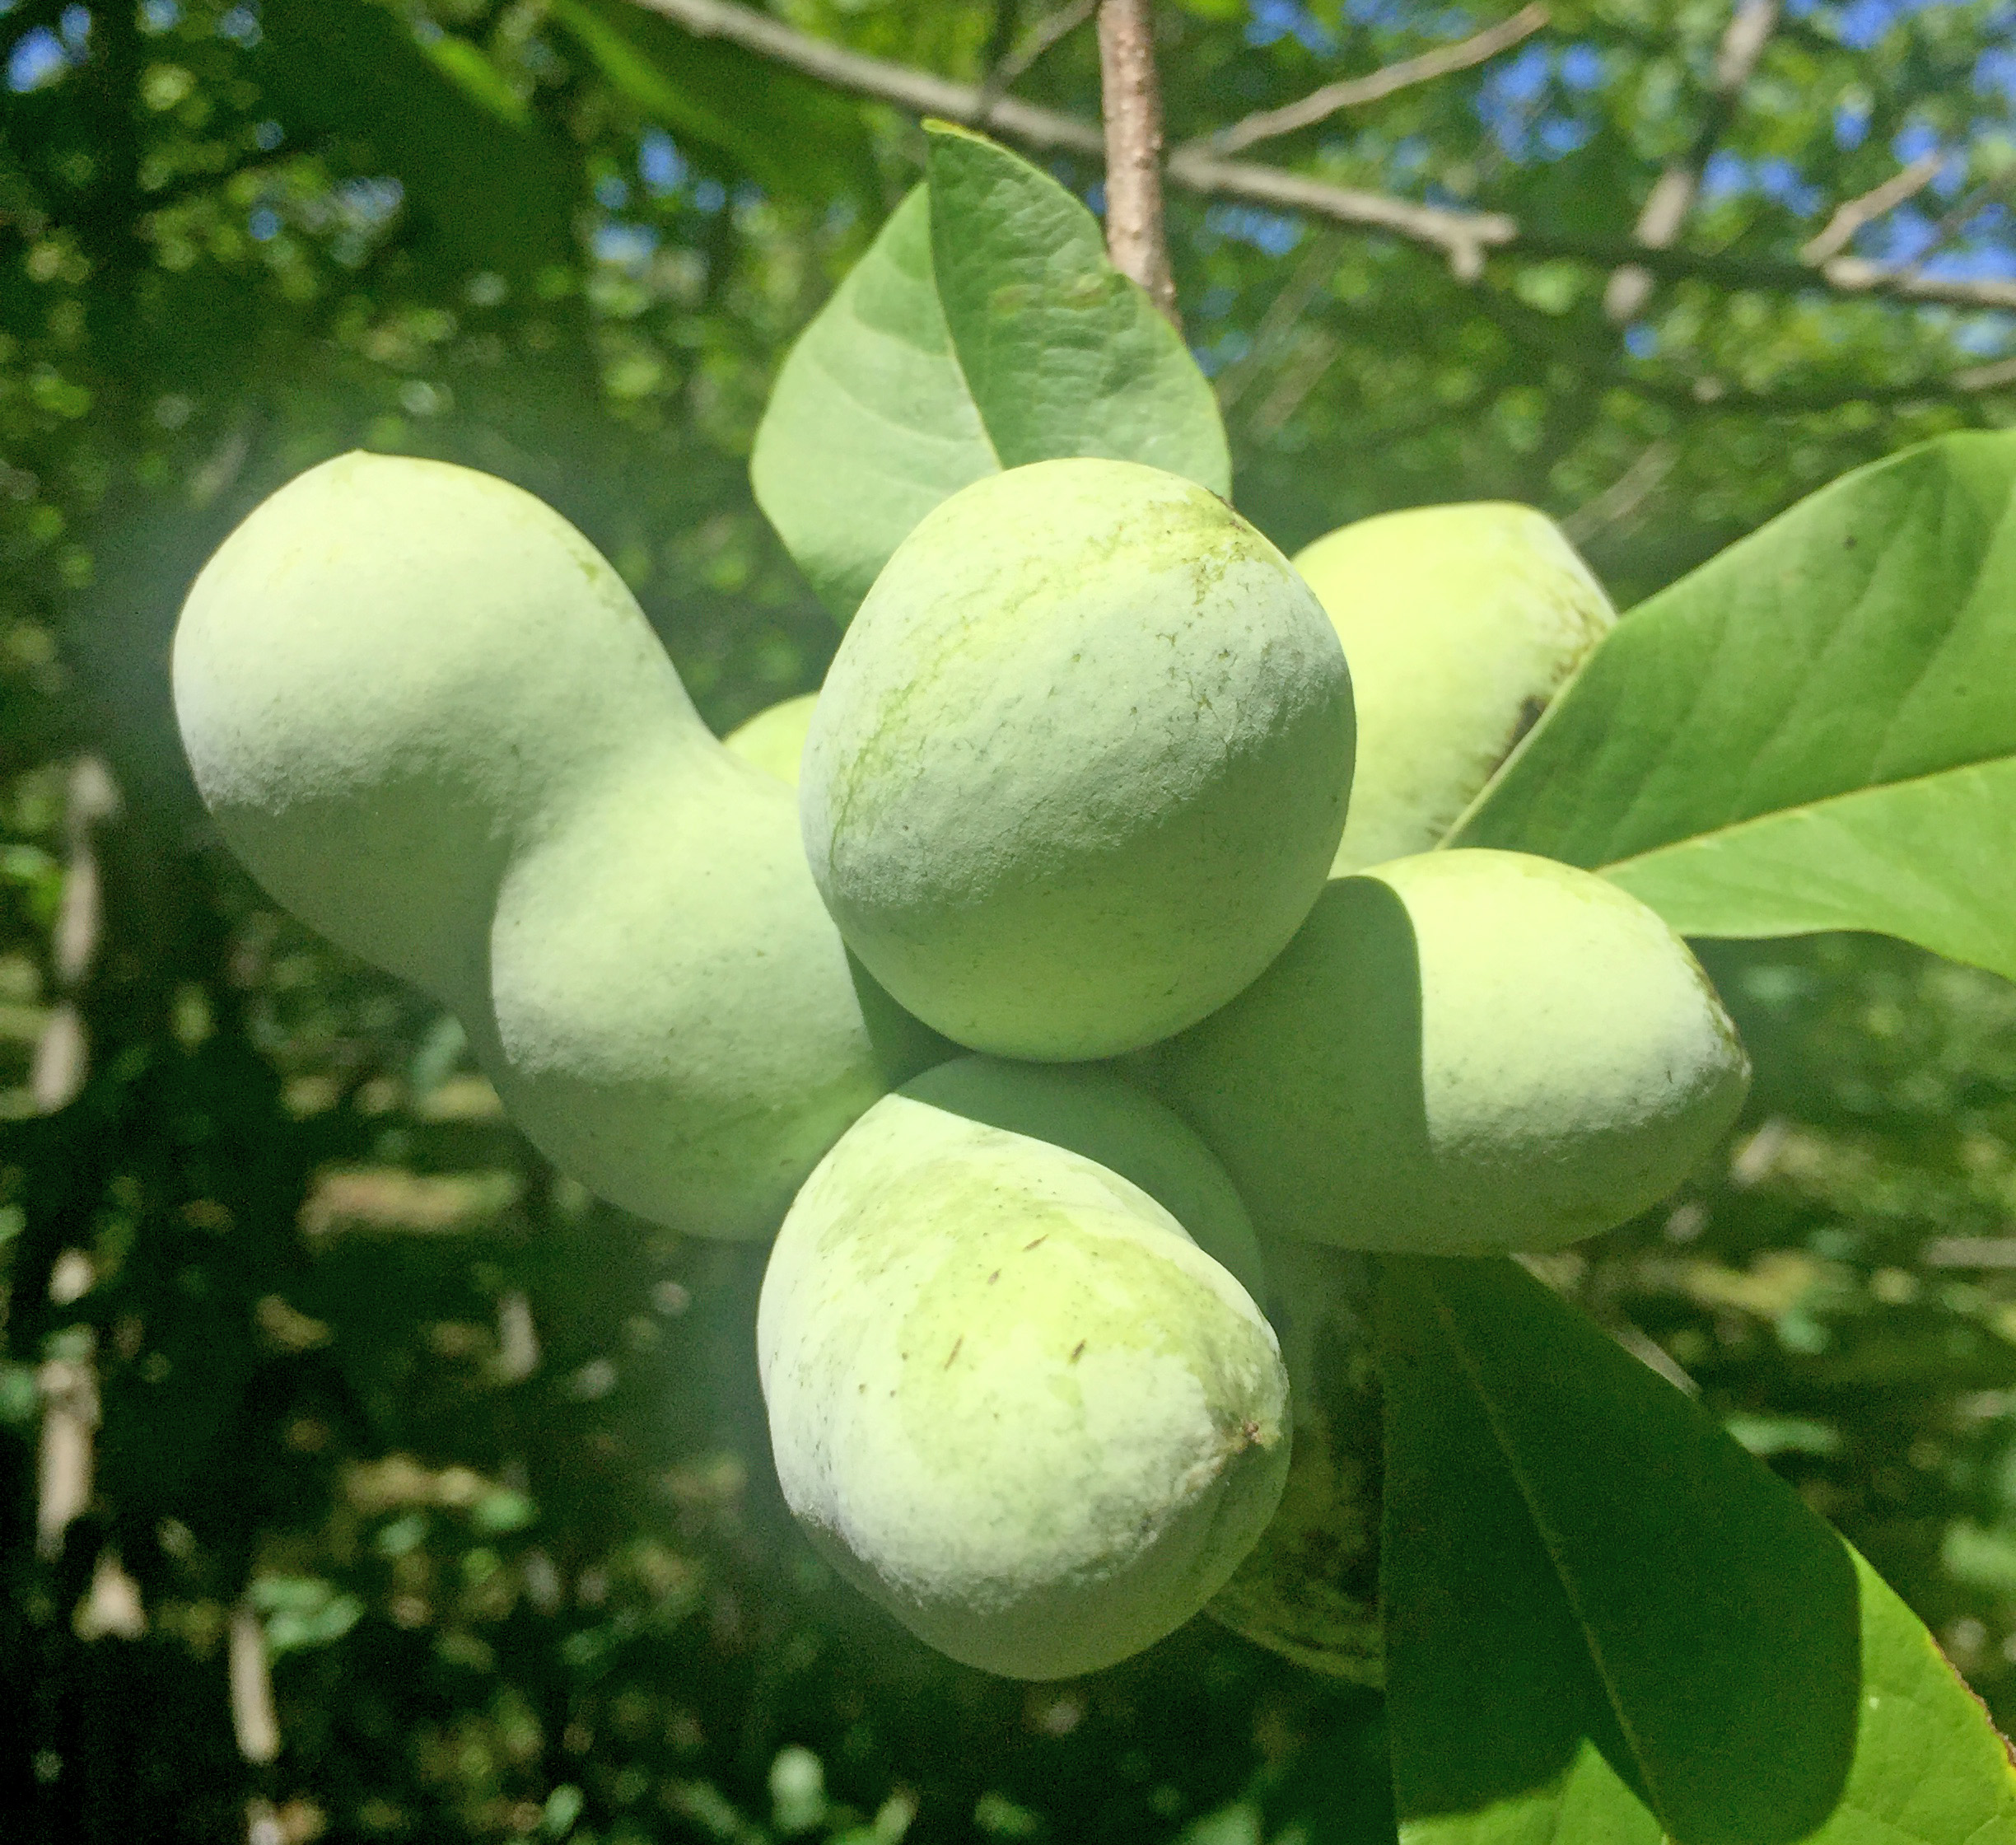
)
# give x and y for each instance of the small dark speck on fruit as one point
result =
(1077, 1352)
(954, 1352)
(1848, 544)
(993, 1278)
(1044, 1238)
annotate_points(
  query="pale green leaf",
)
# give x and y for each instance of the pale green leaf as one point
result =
(985, 327)
(1816, 730)
(1063, 354)
(871, 424)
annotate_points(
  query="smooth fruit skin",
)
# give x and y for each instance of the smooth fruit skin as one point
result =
(1461, 623)
(1080, 764)
(1463, 1052)
(773, 740)
(1010, 1397)
(1098, 1112)
(435, 724)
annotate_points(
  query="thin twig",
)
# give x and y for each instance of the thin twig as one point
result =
(1850, 218)
(1287, 308)
(1672, 194)
(1132, 103)
(920, 91)
(1624, 495)
(250, 1672)
(1052, 29)
(1461, 237)
(1355, 92)
(1985, 377)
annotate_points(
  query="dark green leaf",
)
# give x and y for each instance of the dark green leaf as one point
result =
(484, 189)
(803, 140)
(984, 329)
(1593, 1586)
(467, 67)
(1816, 730)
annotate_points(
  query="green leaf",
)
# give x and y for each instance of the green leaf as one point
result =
(1813, 730)
(1063, 354)
(871, 425)
(1631, 1625)
(984, 329)
(467, 67)
(485, 188)
(803, 140)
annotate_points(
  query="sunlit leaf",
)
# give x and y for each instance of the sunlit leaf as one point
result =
(984, 329)
(1605, 1619)
(1816, 730)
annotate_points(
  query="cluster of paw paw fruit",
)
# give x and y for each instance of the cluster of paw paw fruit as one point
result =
(1072, 976)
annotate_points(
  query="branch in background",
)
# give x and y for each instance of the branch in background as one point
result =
(1353, 92)
(1850, 218)
(61, 1053)
(69, 1385)
(919, 91)
(1624, 495)
(1986, 377)
(1673, 194)
(254, 1722)
(1464, 237)
(1287, 308)
(1052, 29)
(1131, 102)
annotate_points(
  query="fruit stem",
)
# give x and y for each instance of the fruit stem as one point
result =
(1131, 102)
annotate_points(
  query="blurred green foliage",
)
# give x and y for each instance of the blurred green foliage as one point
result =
(473, 1466)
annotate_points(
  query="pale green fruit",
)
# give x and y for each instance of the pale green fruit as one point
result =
(773, 740)
(1098, 1113)
(1010, 1397)
(1080, 764)
(1460, 623)
(1463, 1052)
(680, 1025)
(435, 725)
(1309, 1589)
(389, 671)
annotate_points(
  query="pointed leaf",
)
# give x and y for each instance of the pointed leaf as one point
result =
(871, 424)
(1816, 730)
(985, 327)
(1063, 354)
(1698, 1635)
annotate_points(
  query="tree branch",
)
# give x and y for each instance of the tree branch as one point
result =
(1355, 92)
(1461, 237)
(919, 91)
(1673, 194)
(1132, 103)
(1850, 218)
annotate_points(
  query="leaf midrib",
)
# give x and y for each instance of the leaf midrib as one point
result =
(1550, 1540)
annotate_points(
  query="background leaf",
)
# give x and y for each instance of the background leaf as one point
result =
(984, 329)
(1815, 730)
(805, 138)
(1590, 1581)
(483, 187)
